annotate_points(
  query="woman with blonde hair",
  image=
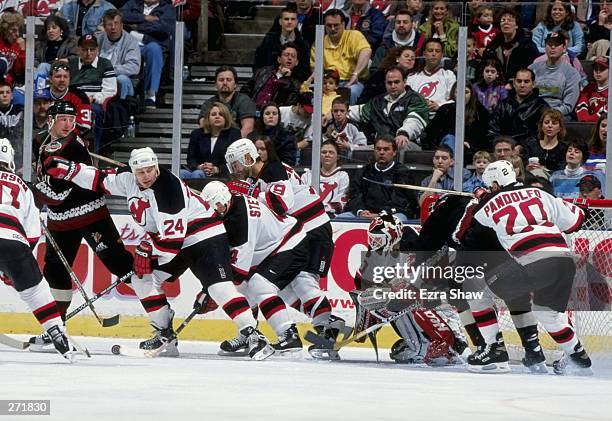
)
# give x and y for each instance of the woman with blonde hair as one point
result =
(547, 154)
(440, 24)
(207, 145)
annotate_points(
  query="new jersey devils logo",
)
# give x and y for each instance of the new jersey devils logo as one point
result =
(137, 208)
(428, 89)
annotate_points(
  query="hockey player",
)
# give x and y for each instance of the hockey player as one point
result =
(183, 235)
(529, 224)
(478, 246)
(268, 251)
(19, 233)
(429, 335)
(281, 189)
(73, 212)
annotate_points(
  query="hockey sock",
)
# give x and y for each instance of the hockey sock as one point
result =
(527, 328)
(469, 324)
(270, 304)
(288, 295)
(42, 304)
(316, 305)
(486, 320)
(319, 309)
(63, 297)
(559, 328)
(153, 300)
(233, 303)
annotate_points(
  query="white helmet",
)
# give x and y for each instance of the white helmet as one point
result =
(384, 232)
(216, 192)
(501, 172)
(237, 151)
(142, 158)
(7, 153)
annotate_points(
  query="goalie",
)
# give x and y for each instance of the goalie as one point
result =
(428, 335)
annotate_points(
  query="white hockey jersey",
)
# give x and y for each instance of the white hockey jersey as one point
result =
(282, 191)
(19, 216)
(173, 217)
(255, 232)
(333, 189)
(528, 221)
(435, 87)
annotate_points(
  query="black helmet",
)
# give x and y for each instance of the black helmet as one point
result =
(62, 107)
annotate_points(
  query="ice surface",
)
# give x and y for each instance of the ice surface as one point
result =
(202, 386)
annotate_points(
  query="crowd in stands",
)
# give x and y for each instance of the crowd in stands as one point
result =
(390, 82)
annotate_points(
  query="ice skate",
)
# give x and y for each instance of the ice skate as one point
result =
(60, 342)
(493, 358)
(577, 363)
(41, 343)
(235, 347)
(258, 346)
(288, 342)
(330, 331)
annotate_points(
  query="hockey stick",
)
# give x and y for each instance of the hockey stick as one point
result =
(98, 295)
(421, 188)
(110, 321)
(13, 343)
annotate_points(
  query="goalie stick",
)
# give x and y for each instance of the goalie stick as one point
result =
(106, 322)
(413, 187)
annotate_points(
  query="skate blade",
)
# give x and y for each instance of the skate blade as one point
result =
(324, 354)
(292, 353)
(538, 368)
(264, 353)
(493, 368)
(45, 349)
(244, 353)
(575, 371)
(70, 356)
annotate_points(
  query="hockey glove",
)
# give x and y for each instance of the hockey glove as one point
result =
(60, 168)
(243, 187)
(204, 303)
(143, 261)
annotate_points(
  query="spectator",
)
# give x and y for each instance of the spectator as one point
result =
(268, 53)
(192, 10)
(297, 119)
(442, 176)
(265, 149)
(85, 16)
(594, 98)
(485, 31)
(331, 83)
(368, 20)
(480, 161)
(559, 16)
(599, 32)
(55, 43)
(512, 48)
(346, 51)
(341, 131)
(368, 200)
(276, 83)
(11, 121)
(441, 25)
(416, 7)
(152, 23)
(557, 81)
(60, 89)
(570, 59)
(539, 181)
(207, 144)
(12, 49)
(550, 148)
(94, 76)
(270, 125)
(564, 181)
(518, 115)
(405, 57)
(308, 19)
(403, 34)
(333, 181)
(590, 188)
(519, 167)
(434, 83)
(241, 107)
(597, 144)
(491, 87)
(122, 50)
(503, 148)
(441, 130)
(42, 102)
(400, 113)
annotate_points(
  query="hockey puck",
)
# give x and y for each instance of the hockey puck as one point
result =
(116, 349)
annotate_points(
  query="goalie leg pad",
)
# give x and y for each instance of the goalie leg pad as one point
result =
(415, 344)
(439, 333)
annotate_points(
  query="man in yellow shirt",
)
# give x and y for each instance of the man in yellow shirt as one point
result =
(346, 51)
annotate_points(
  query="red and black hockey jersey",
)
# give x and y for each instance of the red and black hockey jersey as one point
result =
(173, 217)
(84, 117)
(70, 207)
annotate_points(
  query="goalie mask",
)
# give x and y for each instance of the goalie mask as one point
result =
(384, 232)
(240, 155)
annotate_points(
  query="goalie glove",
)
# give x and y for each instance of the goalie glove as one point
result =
(143, 261)
(61, 168)
(243, 187)
(204, 303)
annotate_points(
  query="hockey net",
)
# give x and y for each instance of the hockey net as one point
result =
(591, 299)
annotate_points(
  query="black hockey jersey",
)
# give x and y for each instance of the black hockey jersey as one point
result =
(70, 207)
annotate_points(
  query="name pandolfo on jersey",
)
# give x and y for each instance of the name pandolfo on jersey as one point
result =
(504, 199)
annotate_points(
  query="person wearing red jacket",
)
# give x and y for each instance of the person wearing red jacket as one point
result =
(593, 100)
(12, 48)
